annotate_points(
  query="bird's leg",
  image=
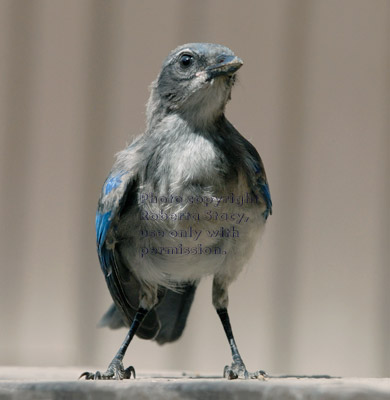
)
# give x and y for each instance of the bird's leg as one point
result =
(237, 369)
(116, 369)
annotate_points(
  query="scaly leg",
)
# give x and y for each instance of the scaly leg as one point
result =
(116, 369)
(237, 369)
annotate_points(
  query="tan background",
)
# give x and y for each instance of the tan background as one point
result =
(313, 96)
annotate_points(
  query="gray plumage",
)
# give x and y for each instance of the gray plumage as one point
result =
(168, 195)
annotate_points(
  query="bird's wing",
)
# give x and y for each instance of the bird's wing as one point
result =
(260, 186)
(263, 187)
(119, 192)
(117, 187)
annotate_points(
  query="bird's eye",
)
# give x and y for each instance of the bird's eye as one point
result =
(186, 60)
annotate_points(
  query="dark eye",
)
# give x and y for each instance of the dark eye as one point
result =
(186, 60)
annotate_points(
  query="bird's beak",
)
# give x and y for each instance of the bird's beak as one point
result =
(226, 65)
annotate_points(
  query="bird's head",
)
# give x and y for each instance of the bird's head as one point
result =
(195, 81)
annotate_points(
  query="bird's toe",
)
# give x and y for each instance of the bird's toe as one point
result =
(89, 376)
(235, 371)
(115, 371)
(260, 375)
(238, 371)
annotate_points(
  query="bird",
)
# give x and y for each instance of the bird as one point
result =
(188, 198)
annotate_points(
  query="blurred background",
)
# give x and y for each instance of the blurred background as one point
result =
(313, 97)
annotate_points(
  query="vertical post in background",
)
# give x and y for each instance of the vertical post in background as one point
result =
(18, 68)
(291, 159)
(101, 51)
(384, 234)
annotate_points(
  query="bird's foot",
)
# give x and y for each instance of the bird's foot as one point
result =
(235, 371)
(115, 371)
(260, 375)
(238, 371)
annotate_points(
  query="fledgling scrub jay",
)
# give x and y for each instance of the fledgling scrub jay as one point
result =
(186, 199)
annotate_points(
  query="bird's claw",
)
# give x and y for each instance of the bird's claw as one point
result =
(238, 371)
(235, 371)
(115, 371)
(260, 375)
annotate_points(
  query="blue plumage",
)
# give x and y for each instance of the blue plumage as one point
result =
(102, 224)
(112, 182)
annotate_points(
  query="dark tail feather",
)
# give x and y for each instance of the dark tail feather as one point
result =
(168, 318)
(113, 319)
(172, 313)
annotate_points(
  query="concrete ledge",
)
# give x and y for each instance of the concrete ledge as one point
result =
(62, 383)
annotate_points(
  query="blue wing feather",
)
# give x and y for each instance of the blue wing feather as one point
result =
(260, 180)
(102, 223)
(112, 182)
(114, 191)
(264, 189)
(104, 217)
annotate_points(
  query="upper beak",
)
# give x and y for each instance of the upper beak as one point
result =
(226, 65)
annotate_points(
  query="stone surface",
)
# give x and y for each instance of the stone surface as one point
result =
(62, 383)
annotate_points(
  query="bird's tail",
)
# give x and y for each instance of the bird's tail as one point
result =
(172, 312)
(165, 323)
(112, 319)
